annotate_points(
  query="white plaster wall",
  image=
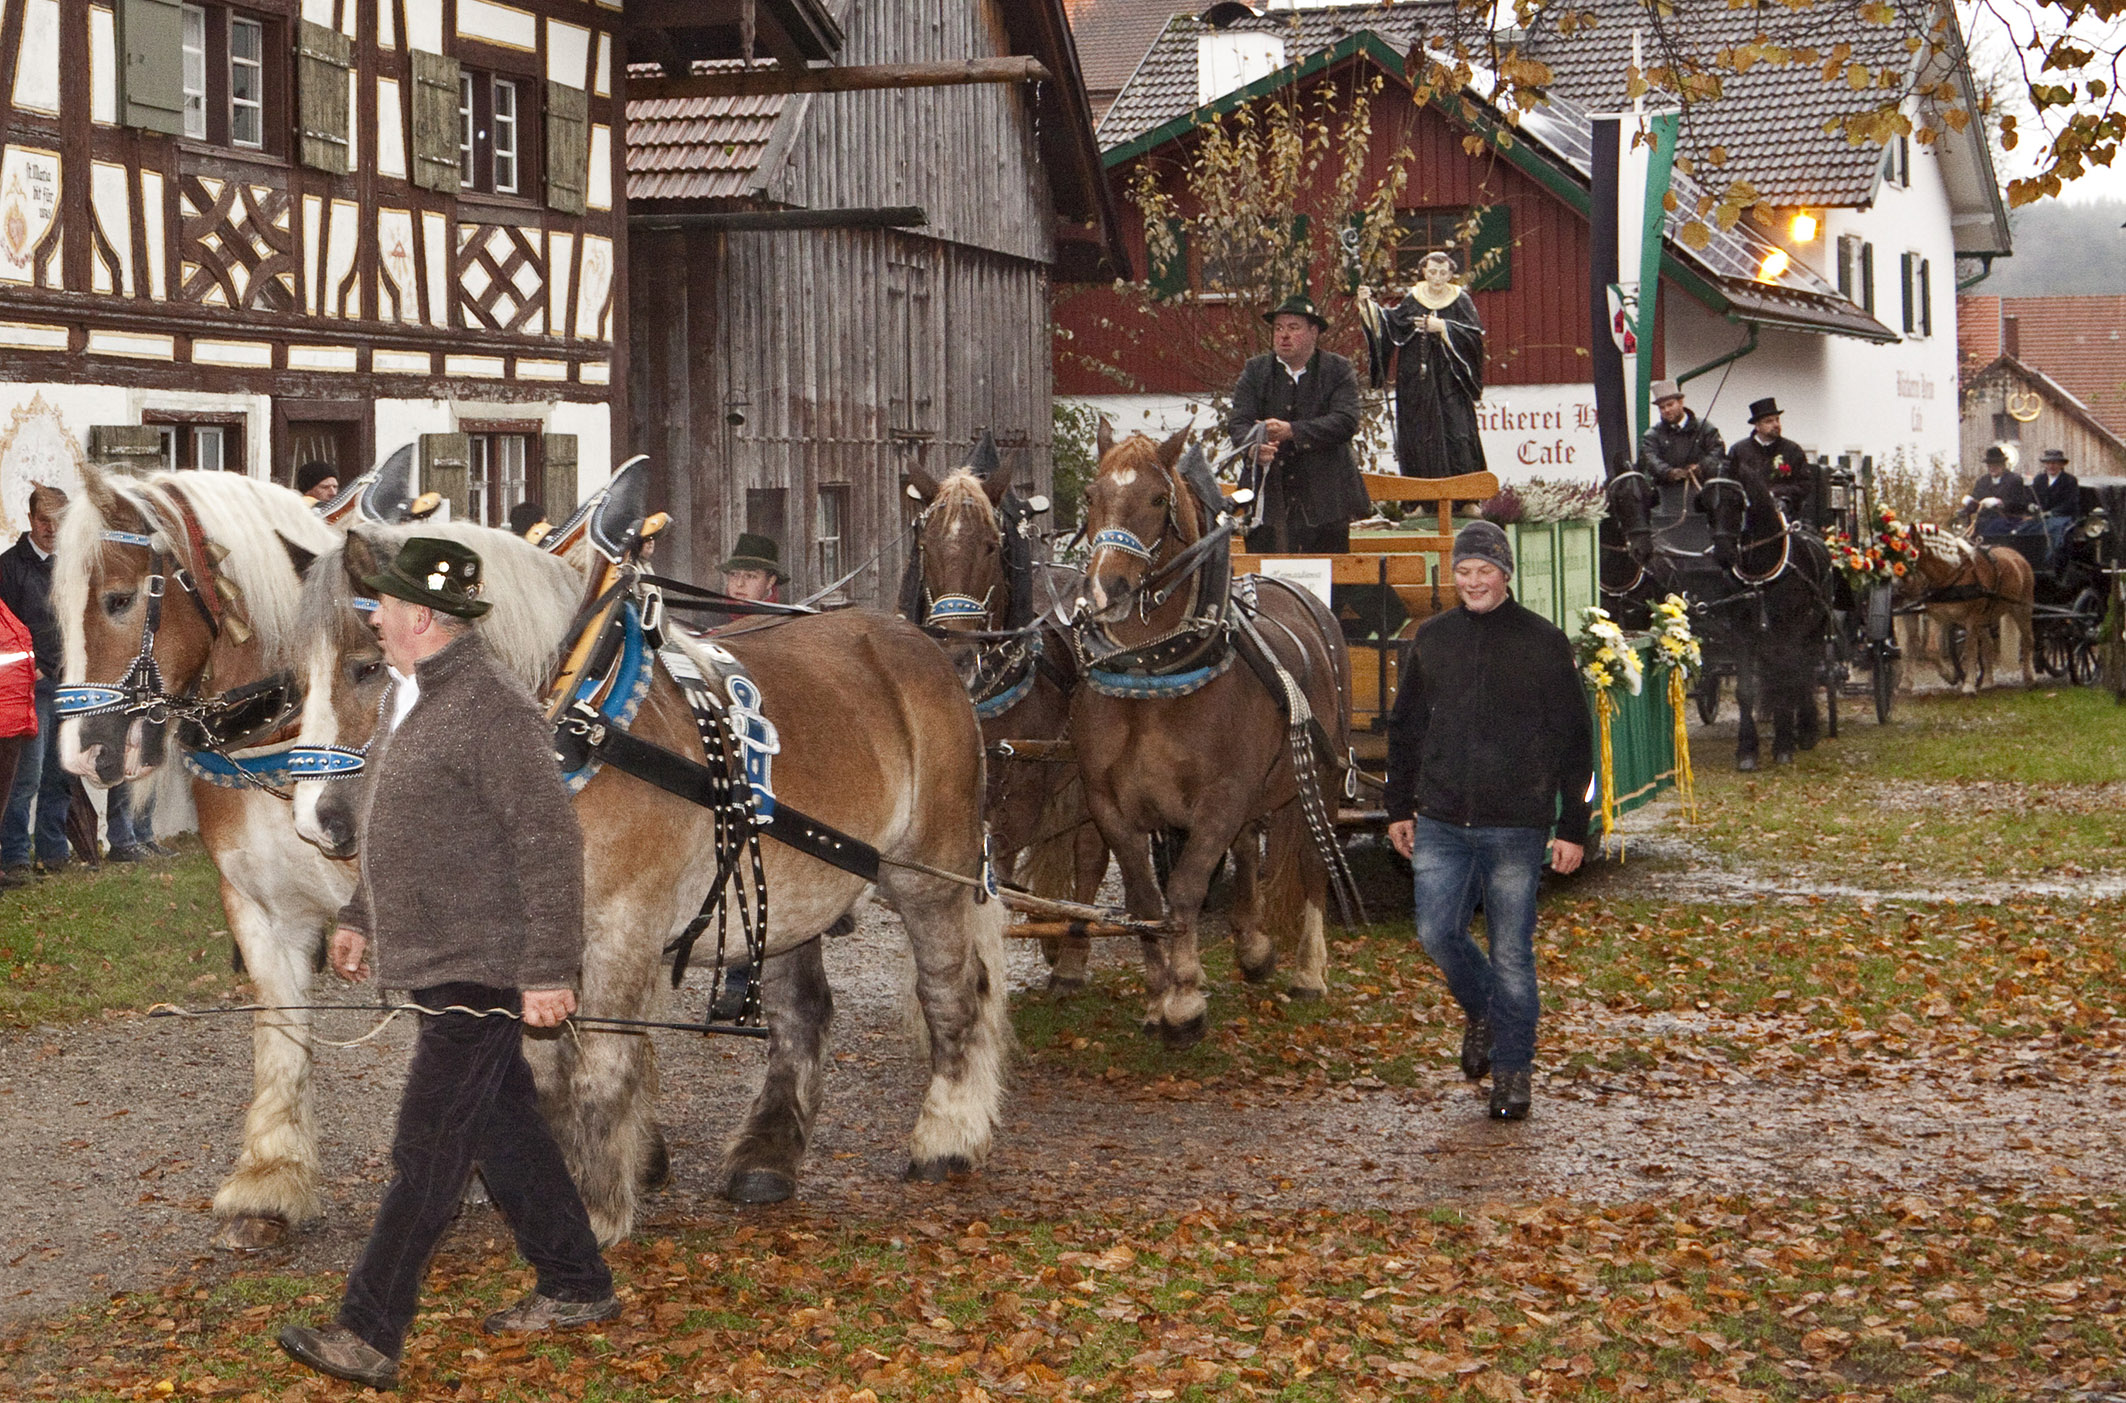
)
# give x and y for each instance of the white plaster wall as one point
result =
(592, 424)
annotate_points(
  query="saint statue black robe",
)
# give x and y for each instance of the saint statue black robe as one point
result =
(1438, 380)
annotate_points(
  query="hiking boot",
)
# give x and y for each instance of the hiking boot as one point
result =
(16, 876)
(1476, 1048)
(537, 1312)
(155, 849)
(1510, 1094)
(131, 852)
(341, 1353)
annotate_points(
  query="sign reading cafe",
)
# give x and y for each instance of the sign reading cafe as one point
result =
(1545, 431)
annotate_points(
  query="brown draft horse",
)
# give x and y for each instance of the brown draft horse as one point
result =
(1213, 762)
(1974, 587)
(1040, 833)
(877, 739)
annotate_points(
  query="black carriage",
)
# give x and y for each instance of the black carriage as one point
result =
(2077, 565)
(1861, 655)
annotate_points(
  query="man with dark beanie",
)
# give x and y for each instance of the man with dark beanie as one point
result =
(471, 896)
(1489, 751)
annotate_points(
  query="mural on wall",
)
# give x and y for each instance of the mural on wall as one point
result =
(29, 202)
(36, 449)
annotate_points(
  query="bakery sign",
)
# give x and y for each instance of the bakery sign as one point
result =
(1545, 431)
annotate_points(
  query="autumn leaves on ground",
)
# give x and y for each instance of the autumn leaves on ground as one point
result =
(1793, 947)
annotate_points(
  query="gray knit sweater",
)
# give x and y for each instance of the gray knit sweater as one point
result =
(472, 863)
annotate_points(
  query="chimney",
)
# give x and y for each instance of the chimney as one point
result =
(2011, 335)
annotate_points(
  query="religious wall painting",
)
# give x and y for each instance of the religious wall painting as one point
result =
(36, 450)
(29, 206)
(399, 288)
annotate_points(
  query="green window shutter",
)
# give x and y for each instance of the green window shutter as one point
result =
(446, 469)
(1168, 277)
(135, 448)
(151, 71)
(1904, 280)
(568, 159)
(435, 122)
(557, 478)
(1491, 251)
(324, 62)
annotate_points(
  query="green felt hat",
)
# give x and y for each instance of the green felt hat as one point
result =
(1298, 305)
(441, 574)
(755, 552)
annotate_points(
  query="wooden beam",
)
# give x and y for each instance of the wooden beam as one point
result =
(774, 82)
(890, 217)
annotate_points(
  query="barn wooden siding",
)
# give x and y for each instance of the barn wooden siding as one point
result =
(851, 355)
(2090, 452)
(1536, 330)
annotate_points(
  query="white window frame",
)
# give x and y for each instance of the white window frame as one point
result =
(830, 531)
(504, 149)
(253, 107)
(193, 67)
(465, 132)
(215, 435)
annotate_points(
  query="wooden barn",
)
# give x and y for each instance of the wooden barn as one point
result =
(841, 270)
(245, 236)
(2009, 401)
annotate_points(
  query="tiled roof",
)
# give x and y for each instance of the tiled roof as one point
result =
(697, 148)
(1769, 120)
(2080, 342)
(1113, 37)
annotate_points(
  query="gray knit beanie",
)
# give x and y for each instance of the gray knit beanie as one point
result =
(1483, 540)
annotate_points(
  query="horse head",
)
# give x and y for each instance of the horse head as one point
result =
(960, 544)
(1138, 513)
(1631, 505)
(1725, 502)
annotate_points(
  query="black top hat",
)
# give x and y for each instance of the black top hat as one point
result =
(755, 552)
(1297, 305)
(2052, 455)
(443, 575)
(1996, 454)
(1763, 408)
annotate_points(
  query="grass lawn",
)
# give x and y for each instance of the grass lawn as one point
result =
(118, 937)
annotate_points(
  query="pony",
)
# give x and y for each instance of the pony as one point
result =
(961, 578)
(1774, 614)
(1193, 743)
(877, 739)
(1973, 587)
(196, 572)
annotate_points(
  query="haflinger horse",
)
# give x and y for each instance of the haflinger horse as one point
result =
(1774, 614)
(877, 739)
(1171, 735)
(971, 572)
(1971, 586)
(173, 591)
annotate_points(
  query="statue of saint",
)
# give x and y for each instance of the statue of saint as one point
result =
(1436, 340)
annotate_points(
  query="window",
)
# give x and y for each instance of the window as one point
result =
(2007, 429)
(494, 133)
(205, 446)
(231, 74)
(1479, 239)
(1848, 266)
(195, 72)
(830, 533)
(1897, 163)
(499, 470)
(1918, 278)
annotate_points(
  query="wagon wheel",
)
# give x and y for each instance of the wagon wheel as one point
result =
(1885, 682)
(1708, 697)
(2082, 663)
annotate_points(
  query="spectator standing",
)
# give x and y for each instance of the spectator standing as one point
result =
(33, 826)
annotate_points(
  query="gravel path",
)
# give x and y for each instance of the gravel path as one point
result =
(122, 1129)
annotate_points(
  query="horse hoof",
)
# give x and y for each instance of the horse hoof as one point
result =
(1151, 1028)
(657, 1171)
(1809, 744)
(1782, 757)
(759, 1186)
(1180, 1037)
(1299, 995)
(1062, 987)
(253, 1233)
(1746, 763)
(937, 1171)
(1259, 973)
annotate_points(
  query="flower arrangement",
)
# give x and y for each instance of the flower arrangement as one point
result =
(1504, 509)
(1676, 648)
(1539, 502)
(1887, 550)
(1607, 659)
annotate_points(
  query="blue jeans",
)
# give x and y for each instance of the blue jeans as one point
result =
(40, 785)
(127, 829)
(1453, 867)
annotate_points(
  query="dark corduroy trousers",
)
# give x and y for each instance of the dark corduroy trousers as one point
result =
(470, 1100)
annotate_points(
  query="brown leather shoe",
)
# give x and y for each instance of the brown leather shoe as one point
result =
(537, 1312)
(341, 1353)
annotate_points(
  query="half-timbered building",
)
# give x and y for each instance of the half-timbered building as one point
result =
(830, 287)
(244, 236)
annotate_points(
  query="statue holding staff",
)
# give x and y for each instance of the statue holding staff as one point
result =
(1436, 341)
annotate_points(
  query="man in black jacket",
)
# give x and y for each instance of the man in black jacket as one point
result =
(2058, 495)
(1489, 749)
(1999, 495)
(1782, 464)
(1677, 448)
(40, 784)
(1306, 399)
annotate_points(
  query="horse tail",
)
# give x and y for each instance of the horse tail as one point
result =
(1295, 897)
(1048, 866)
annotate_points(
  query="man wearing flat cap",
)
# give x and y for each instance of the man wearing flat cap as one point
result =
(1306, 400)
(1490, 755)
(1782, 464)
(1678, 449)
(470, 896)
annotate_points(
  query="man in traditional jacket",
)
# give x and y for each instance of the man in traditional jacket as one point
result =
(1436, 340)
(1783, 466)
(1306, 400)
(471, 896)
(1677, 449)
(1999, 495)
(2058, 495)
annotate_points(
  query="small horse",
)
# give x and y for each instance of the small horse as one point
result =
(877, 740)
(1206, 751)
(960, 579)
(221, 543)
(1974, 587)
(1775, 613)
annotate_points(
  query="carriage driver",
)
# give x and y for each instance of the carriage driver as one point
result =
(1782, 463)
(1489, 750)
(471, 896)
(1678, 449)
(2058, 495)
(1998, 495)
